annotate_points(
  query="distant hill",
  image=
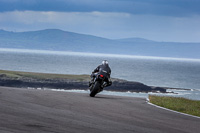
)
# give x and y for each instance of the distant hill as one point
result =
(134, 40)
(54, 39)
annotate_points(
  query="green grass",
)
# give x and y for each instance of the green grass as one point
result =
(183, 105)
(17, 74)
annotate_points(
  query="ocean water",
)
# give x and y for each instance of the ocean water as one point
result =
(153, 71)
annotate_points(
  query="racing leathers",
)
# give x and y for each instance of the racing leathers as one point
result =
(105, 71)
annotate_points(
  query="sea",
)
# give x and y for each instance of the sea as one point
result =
(153, 71)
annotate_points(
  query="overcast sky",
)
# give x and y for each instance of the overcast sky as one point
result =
(159, 20)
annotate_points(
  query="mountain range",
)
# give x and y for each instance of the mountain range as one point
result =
(59, 40)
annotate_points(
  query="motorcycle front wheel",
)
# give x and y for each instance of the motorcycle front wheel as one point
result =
(95, 89)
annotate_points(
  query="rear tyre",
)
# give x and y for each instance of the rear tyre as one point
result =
(95, 89)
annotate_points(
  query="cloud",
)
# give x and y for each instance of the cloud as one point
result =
(141, 7)
(106, 24)
(30, 17)
(162, 20)
(82, 22)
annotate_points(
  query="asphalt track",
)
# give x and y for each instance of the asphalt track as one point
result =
(39, 111)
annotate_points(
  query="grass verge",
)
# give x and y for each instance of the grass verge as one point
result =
(18, 74)
(183, 105)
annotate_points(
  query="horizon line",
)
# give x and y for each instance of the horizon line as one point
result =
(96, 54)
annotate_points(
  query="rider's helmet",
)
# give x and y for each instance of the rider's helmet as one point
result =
(105, 62)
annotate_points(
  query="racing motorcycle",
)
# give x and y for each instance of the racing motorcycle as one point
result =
(98, 83)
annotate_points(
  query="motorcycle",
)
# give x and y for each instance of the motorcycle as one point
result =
(98, 84)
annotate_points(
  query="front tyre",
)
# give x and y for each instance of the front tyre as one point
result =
(95, 89)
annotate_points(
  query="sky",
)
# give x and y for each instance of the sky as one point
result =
(158, 20)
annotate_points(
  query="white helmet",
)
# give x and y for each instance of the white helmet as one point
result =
(104, 62)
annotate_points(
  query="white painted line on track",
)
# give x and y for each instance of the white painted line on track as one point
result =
(147, 100)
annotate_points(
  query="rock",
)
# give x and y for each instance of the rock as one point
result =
(159, 89)
(2, 75)
(118, 85)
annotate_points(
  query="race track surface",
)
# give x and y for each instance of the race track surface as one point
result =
(43, 111)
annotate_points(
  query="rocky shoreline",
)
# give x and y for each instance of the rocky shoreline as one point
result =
(67, 84)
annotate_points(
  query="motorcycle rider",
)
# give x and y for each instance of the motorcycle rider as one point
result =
(104, 67)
